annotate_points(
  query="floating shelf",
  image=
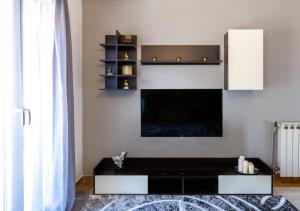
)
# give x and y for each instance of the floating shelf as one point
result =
(114, 89)
(118, 45)
(119, 60)
(128, 76)
(107, 45)
(181, 63)
(126, 61)
(180, 55)
(116, 48)
(107, 60)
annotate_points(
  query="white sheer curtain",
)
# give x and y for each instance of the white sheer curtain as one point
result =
(38, 42)
(48, 152)
(37, 160)
(11, 136)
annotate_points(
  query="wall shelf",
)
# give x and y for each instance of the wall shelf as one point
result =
(119, 52)
(126, 76)
(180, 55)
(118, 60)
(119, 45)
(181, 63)
(126, 61)
(114, 89)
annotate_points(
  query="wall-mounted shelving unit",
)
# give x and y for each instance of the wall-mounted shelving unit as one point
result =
(180, 55)
(120, 53)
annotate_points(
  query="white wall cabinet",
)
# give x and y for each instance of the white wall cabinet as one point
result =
(243, 59)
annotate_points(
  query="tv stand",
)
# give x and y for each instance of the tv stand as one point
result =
(180, 176)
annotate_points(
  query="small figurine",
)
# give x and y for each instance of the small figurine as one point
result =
(126, 57)
(125, 85)
(119, 159)
(109, 71)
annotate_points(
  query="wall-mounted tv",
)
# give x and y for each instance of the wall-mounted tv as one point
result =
(181, 113)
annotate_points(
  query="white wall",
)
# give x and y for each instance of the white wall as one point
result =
(111, 120)
(75, 9)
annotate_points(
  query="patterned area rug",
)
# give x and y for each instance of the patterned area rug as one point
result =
(186, 203)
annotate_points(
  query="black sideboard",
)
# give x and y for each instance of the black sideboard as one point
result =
(180, 176)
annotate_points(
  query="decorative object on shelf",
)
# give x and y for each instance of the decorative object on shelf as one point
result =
(123, 55)
(250, 168)
(184, 54)
(245, 167)
(126, 39)
(154, 59)
(125, 84)
(240, 163)
(126, 70)
(126, 57)
(109, 70)
(119, 159)
(120, 50)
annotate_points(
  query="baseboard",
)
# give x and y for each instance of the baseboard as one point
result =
(79, 179)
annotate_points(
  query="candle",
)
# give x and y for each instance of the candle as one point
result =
(240, 163)
(251, 168)
(245, 167)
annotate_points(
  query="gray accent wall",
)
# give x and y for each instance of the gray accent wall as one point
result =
(111, 120)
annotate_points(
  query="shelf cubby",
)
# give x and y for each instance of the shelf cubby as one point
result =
(115, 49)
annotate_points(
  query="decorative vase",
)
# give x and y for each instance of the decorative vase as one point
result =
(127, 39)
(126, 70)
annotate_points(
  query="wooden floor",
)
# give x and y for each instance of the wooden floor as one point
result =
(286, 182)
(85, 183)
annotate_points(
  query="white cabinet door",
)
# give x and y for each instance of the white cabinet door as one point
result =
(260, 184)
(244, 59)
(133, 184)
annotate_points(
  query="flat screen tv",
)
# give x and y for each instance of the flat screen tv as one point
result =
(181, 113)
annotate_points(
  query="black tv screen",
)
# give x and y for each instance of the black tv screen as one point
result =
(181, 113)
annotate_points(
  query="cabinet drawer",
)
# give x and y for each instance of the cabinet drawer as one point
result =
(133, 184)
(260, 184)
(201, 185)
(165, 185)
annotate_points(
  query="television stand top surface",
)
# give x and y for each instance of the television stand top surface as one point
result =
(177, 166)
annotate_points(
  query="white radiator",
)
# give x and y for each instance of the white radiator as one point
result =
(289, 149)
